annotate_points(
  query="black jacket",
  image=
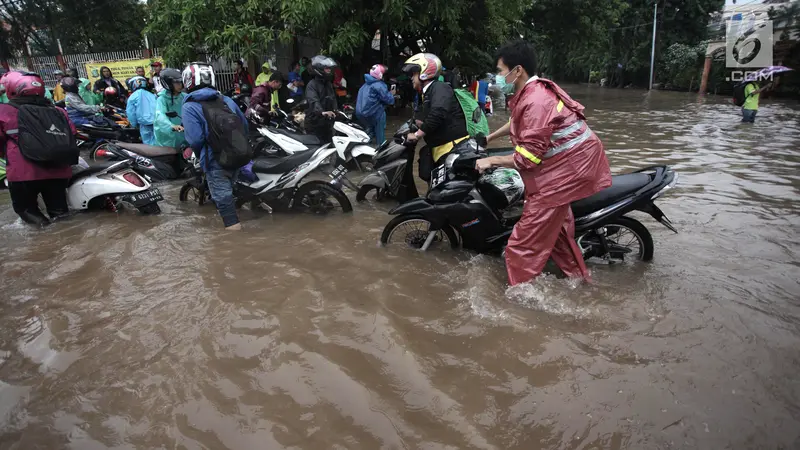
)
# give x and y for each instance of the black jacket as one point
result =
(320, 97)
(442, 116)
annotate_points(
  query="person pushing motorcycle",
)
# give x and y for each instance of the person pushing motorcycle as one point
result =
(441, 121)
(559, 158)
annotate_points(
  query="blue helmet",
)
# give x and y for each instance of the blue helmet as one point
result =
(137, 82)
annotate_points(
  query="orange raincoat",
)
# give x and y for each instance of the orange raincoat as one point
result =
(560, 160)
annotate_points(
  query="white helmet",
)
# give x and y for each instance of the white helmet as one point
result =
(198, 75)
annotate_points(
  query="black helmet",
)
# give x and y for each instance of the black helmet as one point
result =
(168, 77)
(245, 89)
(73, 72)
(323, 66)
(70, 84)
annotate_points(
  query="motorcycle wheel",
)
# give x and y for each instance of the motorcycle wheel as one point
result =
(152, 208)
(363, 191)
(412, 230)
(100, 146)
(319, 197)
(626, 238)
(190, 192)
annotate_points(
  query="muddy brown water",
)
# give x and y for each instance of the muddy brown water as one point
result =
(121, 331)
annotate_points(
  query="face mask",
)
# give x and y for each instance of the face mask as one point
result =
(506, 87)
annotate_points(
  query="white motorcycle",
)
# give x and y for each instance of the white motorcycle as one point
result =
(279, 184)
(111, 186)
(349, 140)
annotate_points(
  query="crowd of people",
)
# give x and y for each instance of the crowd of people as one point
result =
(558, 156)
(187, 106)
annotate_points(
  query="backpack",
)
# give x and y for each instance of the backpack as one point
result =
(476, 119)
(226, 135)
(44, 136)
(738, 94)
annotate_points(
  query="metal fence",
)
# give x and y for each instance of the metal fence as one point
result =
(223, 67)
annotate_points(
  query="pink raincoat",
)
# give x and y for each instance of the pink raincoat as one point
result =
(560, 160)
(17, 167)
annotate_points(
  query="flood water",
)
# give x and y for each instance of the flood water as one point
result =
(123, 331)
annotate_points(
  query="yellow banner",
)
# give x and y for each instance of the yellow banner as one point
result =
(121, 70)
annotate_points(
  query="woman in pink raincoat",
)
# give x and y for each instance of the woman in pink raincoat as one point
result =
(559, 158)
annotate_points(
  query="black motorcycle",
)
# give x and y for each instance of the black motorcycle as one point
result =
(157, 163)
(113, 125)
(472, 211)
(389, 165)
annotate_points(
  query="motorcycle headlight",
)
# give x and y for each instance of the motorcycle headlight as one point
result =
(328, 159)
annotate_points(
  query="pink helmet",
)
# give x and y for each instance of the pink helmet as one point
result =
(6, 78)
(377, 71)
(23, 84)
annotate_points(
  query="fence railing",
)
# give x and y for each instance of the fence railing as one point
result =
(223, 67)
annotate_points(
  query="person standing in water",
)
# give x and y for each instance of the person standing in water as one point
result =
(560, 160)
(752, 94)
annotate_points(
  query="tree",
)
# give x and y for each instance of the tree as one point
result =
(461, 32)
(576, 36)
(80, 25)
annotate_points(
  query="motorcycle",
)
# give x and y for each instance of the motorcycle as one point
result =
(389, 164)
(349, 140)
(279, 184)
(471, 211)
(112, 126)
(241, 99)
(112, 186)
(157, 163)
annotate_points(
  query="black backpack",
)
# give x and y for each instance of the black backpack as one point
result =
(226, 135)
(738, 94)
(44, 136)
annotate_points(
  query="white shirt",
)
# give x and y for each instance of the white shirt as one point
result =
(157, 83)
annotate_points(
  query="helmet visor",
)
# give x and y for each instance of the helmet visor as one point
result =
(410, 69)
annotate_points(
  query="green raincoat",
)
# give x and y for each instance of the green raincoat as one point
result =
(165, 103)
(85, 91)
(263, 78)
(3, 98)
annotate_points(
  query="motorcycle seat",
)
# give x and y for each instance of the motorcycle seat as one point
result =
(80, 172)
(280, 165)
(147, 150)
(91, 126)
(305, 139)
(621, 187)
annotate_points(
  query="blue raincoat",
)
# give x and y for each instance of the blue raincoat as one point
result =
(141, 110)
(166, 103)
(372, 97)
(196, 127)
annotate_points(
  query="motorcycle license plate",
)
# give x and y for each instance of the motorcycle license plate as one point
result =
(338, 173)
(438, 175)
(145, 198)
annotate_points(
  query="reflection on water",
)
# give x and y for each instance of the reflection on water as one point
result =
(164, 332)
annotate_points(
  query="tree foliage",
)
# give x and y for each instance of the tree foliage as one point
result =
(81, 25)
(576, 36)
(461, 32)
